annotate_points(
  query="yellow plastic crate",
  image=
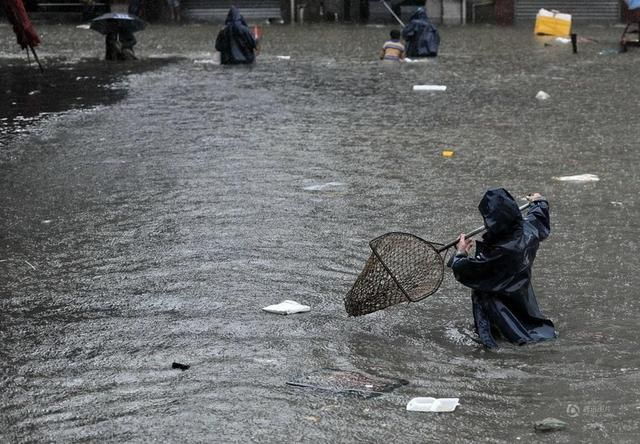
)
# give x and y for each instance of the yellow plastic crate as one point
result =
(553, 23)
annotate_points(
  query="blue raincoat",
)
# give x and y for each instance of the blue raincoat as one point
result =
(421, 36)
(499, 274)
(235, 41)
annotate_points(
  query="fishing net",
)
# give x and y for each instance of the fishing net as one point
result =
(402, 268)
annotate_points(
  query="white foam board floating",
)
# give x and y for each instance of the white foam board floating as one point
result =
(429, 88)
(324, 186)
(433, 404)
(287, 307)
(542, 95)
(581, 178)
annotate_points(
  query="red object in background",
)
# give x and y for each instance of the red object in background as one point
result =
(22, 26)
(257, 32)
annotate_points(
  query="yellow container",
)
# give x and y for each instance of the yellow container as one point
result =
(552, 23)
(448, 153)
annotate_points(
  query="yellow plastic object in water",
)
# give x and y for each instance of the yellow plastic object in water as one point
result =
(552, 23)
(448, 153)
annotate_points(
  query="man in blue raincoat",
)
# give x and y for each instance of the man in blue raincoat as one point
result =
(499, 274)
(235, 41)
(421, 37)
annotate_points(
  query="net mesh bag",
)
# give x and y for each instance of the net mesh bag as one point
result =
(402, 268)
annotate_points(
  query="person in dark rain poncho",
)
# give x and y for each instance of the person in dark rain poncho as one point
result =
(499, 274)
(235, 41)
(421, 37)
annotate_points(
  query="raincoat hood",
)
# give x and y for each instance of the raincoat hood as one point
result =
(234, 16)
(500, 212)
(420, 14)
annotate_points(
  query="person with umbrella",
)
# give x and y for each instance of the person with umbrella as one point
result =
(118, 29)
(421, 37)
(235, 42)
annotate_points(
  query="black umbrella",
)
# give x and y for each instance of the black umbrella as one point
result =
(114, 22)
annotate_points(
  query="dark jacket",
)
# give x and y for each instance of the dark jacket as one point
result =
(500, 272)
(421, 36)
(235, 41)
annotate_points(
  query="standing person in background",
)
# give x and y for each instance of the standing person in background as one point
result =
(421, 36)
(235, 42)
(393, 50)
(174, 7)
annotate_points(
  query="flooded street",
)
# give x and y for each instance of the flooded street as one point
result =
(150, 220)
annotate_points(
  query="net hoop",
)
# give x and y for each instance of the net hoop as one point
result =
(401, 268)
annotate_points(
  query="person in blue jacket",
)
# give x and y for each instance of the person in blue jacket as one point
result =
(499, 274)
(235, 42)
(421, 37)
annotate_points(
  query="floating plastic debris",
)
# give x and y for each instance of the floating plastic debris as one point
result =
(429, 88)
(283, 57)
(179, 366)
(323, 186)
(552, 23)
(287, 307)
(549, 425)
(448, 153)
(84, 26)
(348, 382)
(542, 95)
(578, 178)
(609, 51)
(206, 62)
(433, 404)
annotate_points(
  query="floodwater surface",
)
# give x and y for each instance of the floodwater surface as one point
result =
(150, 223)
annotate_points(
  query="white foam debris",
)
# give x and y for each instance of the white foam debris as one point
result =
(206, 62)
(84, 26)
(579, 178)
(433, 404)
(542, 95)
(429, 88)
(323, 186)
(283, 57)
(287, 307)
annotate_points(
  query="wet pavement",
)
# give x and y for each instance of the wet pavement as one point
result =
(149, 221)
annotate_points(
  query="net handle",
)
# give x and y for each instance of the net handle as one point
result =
(474, 232)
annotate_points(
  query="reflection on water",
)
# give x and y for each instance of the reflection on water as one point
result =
(158, 225)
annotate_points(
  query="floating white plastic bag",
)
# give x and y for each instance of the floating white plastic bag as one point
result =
(542, 95)
(429, 88)
(324, 186)
(287, 307)
(579, 178)
(433, 404)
